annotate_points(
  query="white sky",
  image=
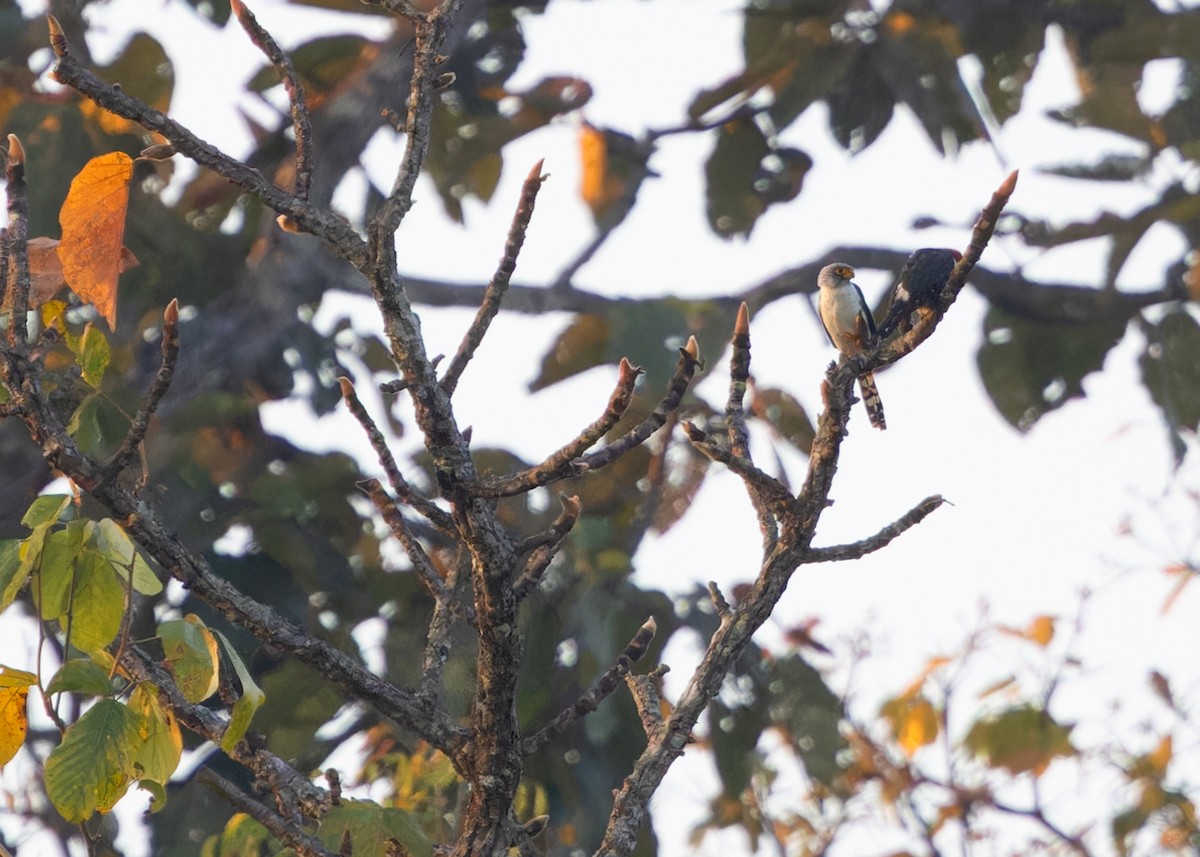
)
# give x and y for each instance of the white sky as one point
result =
(1036, 517)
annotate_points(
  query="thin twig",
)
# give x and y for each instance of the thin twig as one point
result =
(430, 34)
(771, 492)
(158, 388)
(597, 693)
(423, 506)
(339, 233)
(18, 283)
(301, 123)
(566, 462)
(499, 282)
(646, 697)
(301, 842)
(881, 539)
(399, 528)
(985, 225)
(545, 546)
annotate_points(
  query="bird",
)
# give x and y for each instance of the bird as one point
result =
(919, 285)
(850, 327)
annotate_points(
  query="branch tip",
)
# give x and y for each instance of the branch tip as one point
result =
(693, 432)
(237, 7)
(535, 174)
(741, 327)
(1009, 184)
(16, 152)
(637, 647)
(571, 505)
(692, 349)
(628, 371)
(171, 312)
(347, 387)
(58, 39)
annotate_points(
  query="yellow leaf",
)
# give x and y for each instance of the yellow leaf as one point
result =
(93, 225)
(1161, 757)
(601, 184)
(14, 689)
(914, 722)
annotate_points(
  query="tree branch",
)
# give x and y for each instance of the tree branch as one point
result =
(733, 634)
(565, 463)
(303, 844)
(499, 282)
(334, 230)
(158, 388)
(301, 123)
(544, 547)
(17, 282)
(609, 681)
(387, 461)
(855, 550)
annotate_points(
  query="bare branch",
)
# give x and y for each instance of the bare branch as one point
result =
(647, 699)
(301, 123)
(330, 228)
(797, 526)
(597, 693)
(854, 550)
(158, 388)
(17, 283)
(565, 463)
(499, 282)
(985, 225)
(720, 604)
(428, 575)
(765, 489)
(739, 377)
(387, 461)
(545, 546)
(430, 34)
(301, 842)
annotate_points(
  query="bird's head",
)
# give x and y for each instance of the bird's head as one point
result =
(835, 275)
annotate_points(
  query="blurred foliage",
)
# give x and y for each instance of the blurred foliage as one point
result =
(300, 537)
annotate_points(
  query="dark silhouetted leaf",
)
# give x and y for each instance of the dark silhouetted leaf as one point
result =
(733, 205)
(1171, 372)
(860, 105)
(1030, 367)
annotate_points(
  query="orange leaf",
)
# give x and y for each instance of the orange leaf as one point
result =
(1041, 630)
(93, 224)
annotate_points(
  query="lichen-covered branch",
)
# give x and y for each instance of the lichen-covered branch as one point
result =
(325, 225)
(158, 388)
(499, 282)
(301, 123)
(797, 526)
(16, 281)
(566, 463)
(855, 550)
(609, 681)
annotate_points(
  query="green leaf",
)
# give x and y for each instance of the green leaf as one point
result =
(93, 355)
(370, 826)
(249, 702)
(1171, 368)
(97, 604)
(45, 510)
(11, 578)
(1021, 739)
(92, 768)
(162, 744)
(242, 837)
(190, 651)
(801, 699)
(80, 675)
(115, 546)
(736, 161)
(1031, 367)
(56, 570)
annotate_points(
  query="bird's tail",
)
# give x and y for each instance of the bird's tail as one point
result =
(871, 400)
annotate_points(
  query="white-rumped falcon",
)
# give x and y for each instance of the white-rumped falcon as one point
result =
(850, 327)
(919, 285)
